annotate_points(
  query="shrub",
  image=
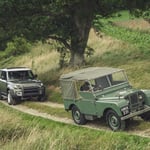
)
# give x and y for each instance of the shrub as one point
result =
(17, 46)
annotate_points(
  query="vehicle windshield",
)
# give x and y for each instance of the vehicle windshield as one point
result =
(117, 78)
(20, 75)
(109, 80)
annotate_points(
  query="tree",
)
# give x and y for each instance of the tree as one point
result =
(68, 21)
(139, 8)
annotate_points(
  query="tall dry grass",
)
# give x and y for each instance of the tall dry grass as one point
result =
(102, 43)
(42, 58)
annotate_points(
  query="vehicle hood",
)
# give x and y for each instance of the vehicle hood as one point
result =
(25, 83)
(118, 95)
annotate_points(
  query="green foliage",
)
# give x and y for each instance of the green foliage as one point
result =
(89, 51)
(64, 55)
(121, 56)
(54, 95)
(2, 54)
(139, 38)
(122, 15)
(18, 46)
(64, 20)
(50, 77)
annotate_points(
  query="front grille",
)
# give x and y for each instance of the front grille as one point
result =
(136, 101)
(31, 91)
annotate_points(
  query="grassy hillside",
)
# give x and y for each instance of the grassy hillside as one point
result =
(26, 132)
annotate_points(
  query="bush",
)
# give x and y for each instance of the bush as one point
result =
(17, 46)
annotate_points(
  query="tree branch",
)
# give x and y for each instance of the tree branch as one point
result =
(65, 43)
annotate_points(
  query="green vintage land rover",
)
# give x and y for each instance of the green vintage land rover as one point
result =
(97, 92)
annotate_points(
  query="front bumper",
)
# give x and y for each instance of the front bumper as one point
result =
(146, 109)
(29, 92)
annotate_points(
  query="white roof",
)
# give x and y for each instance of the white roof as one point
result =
(16, 69)
(89, 73)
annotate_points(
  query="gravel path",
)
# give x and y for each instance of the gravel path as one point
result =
(54, 105)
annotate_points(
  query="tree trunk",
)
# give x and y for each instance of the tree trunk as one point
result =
(82, 16)
(76, 59)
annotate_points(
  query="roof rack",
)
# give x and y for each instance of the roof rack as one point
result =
(15, 67)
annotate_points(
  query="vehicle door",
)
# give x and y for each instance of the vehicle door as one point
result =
(3, 82)
(86, 102)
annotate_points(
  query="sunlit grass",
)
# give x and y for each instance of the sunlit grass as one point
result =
(138, 73)
(135, 24)
(40, 59)
(38, 133)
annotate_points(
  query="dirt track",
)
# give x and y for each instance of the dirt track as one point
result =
(93, 124)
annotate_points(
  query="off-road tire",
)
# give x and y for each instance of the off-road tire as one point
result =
(146, 116)
(114, 121)
(10, 99)
(77, 116)
(41, 98)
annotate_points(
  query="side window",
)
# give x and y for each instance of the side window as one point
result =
(3, 75)
(102, 82)
(83, 86)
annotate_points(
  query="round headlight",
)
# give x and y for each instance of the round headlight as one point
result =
(41, 84)
(140, 97)
(17, 86)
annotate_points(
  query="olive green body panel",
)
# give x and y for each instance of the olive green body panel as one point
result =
(116, 105)
(90, 105)
(147, 101)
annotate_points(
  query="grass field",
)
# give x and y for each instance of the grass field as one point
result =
(26, 132)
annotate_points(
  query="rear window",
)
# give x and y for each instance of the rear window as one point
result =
(68, 89)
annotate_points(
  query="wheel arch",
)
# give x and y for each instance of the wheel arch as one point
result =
(71, 106)
(113, 106)
(106, 110)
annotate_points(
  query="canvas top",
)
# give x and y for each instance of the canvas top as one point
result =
(89, 73)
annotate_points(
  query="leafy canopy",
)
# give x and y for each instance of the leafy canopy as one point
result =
(67, 21)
